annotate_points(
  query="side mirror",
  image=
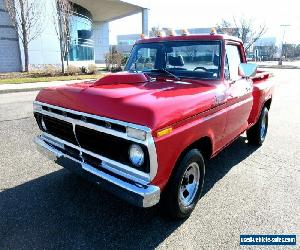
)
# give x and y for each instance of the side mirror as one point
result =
(247, 69)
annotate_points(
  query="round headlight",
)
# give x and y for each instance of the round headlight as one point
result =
(136, 155)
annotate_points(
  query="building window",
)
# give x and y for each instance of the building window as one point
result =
(81, 42)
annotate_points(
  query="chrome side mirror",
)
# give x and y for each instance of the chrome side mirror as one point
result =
(247, 69)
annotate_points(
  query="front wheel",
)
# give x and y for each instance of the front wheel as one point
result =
(185, 186)
(256, 135)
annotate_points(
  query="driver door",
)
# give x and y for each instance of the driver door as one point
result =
(239, 94)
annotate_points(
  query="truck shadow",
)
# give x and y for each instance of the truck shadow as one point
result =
(60, 210)
(219, 166)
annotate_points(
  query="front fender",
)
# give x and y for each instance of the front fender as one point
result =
(170, 147)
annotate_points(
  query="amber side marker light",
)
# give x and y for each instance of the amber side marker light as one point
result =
(164, 132)
(171, 32)
(184, 32)
(160, 33)
(213, 31)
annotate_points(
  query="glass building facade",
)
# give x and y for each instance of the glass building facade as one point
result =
(81, 31)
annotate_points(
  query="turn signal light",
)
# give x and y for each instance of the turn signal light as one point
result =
(164, 132)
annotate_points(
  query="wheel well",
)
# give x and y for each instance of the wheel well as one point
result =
(204, 145)
(268, 103)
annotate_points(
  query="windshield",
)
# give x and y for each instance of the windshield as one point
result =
(190, 59)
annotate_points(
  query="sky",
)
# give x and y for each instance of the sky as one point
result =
(178, 14)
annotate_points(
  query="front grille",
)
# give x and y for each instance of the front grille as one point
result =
(60, 129)
(106, 145)
(109, 146)
(105, 124)
(72, 152)
(87, 118)
(93, 161)
(75, 153)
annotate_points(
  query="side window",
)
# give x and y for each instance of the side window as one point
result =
(232, 62)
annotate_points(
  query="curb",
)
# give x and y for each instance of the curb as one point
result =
(9, 91)
(33, 88)
(277, 67)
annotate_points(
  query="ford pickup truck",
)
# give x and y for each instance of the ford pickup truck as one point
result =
(144, 134)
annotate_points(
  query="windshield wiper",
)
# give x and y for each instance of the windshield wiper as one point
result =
(167, 72)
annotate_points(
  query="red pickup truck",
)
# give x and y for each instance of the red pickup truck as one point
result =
(144, 134)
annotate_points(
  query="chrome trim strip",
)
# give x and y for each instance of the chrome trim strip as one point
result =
(149, 142)
(150, 194)
(111, 165)
(125, 124)
(91, 126)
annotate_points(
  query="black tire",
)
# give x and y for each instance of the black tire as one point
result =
(172, 197)
(256, 135)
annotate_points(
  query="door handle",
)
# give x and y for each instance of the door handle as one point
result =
(233, 96)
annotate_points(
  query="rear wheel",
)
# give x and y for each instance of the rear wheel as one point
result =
(185, 186)
(256, 135)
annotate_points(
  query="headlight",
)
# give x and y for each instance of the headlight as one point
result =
(136, 155)
(136, 133)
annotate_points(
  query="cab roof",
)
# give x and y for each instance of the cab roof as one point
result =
(194, 37)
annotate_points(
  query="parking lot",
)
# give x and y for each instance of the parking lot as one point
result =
(248, 190)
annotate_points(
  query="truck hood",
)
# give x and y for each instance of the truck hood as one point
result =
(134, 98)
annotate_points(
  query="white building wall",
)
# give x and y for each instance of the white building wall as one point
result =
(101, 40)
(45, 48)
(145, 22)
(10, 60)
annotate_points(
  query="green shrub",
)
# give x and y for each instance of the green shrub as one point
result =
(47, 70)
(73, 70)
(92, 69)
(113, 60)
(50, 70)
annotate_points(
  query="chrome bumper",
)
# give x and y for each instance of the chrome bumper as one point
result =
(135, 193)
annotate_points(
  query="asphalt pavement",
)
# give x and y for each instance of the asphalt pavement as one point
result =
(248, 190)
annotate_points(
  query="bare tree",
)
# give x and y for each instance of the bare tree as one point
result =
(155, 30)
(63, 10)
(114, 60)
(26, 17)
(271, 51)
(227, 27)
(244, 28)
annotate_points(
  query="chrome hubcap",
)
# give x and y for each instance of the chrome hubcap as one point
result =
(189, 184)
(263, 128)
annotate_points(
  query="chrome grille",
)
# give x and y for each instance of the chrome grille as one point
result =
(99, 125)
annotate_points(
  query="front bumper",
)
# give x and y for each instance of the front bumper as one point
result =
(135, 193)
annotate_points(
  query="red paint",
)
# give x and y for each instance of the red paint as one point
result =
(196, 109)
(120, 78)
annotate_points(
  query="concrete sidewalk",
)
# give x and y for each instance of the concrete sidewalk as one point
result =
(274, 65)
(25, 87)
